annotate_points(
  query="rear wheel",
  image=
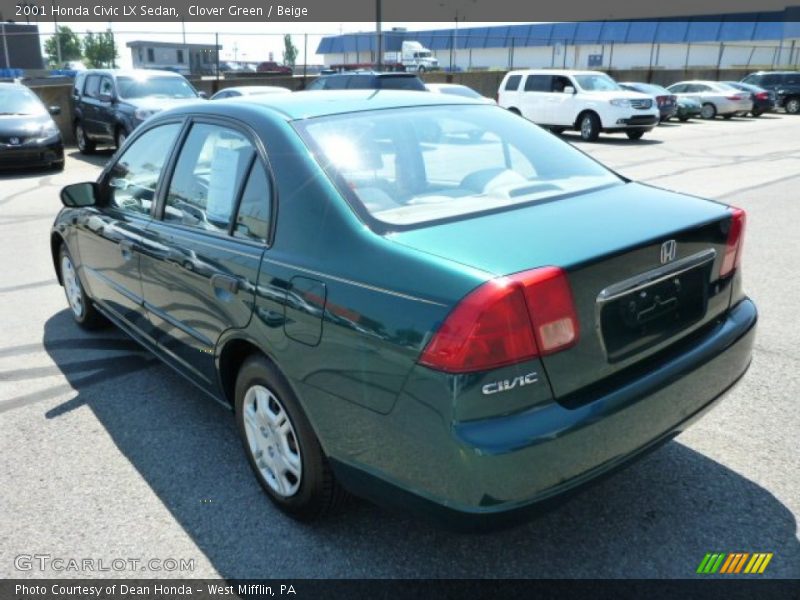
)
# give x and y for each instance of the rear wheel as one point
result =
(709, 111)
(83, 311)
(280, 444)
(85, 145)
(635, 134)
(793, 106)
(590, 127)
(757, 112)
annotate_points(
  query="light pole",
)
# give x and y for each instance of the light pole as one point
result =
(379, 35)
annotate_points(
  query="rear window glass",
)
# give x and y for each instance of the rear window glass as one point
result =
(410, 166)
(512, 84)
(401, 83)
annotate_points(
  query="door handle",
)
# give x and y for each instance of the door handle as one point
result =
(126, 249)
(225, 283)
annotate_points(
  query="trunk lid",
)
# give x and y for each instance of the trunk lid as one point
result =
(630, 304)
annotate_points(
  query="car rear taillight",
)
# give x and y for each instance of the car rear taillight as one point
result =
(505, 321)
(660, 100)
(762, 96)
(733, 247)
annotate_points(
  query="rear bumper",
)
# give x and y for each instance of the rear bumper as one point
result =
(502, 467)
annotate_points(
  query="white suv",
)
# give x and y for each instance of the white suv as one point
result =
(588, 101)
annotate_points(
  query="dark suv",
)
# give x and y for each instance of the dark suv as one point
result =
(110, 103)
(368, 80)
(785, 84)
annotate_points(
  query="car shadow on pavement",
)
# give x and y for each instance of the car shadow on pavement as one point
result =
(611, 140)
(657, 518)
(99, 158)
(28, 173)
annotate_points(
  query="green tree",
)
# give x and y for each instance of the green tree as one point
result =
(289, 52)
(70, 46)
(99, 49)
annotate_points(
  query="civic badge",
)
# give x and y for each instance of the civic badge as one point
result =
(669, 250)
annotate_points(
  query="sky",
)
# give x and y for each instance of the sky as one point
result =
(247, 41)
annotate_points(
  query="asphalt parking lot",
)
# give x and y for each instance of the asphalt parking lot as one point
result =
(107, 454)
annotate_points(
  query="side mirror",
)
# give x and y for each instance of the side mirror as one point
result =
(79, 194)
(568, 89)
(54, 110)
(203, 95)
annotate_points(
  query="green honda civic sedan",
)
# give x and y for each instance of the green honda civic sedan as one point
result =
(415, 298)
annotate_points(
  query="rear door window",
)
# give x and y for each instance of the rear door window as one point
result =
(538, 83)
(209, 173)
(92, 87)
(255, 207)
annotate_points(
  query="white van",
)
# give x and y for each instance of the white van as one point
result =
(588, 101)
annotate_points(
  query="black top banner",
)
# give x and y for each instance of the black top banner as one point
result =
(390, 10)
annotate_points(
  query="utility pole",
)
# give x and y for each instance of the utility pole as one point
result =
(58, 37)
(378, 19)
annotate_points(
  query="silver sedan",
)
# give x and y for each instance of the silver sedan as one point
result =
(249, 90)
(716, 98)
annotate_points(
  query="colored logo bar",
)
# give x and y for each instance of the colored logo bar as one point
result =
(733, 563)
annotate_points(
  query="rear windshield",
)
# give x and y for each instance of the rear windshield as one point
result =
(408, 167)
(462, 91)
(401, 83)
(154, 87)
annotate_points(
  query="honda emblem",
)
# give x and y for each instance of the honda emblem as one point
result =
(669, 250)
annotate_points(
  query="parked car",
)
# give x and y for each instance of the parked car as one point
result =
(667, 103)
(440, 324)
(588, 101)
(687, 108)
(763, 100)
(716, 98)
(108, 104)
(28, 134)
(367, 80)
(249, 90)
(270, 66)
(785, 84)
(455, 89)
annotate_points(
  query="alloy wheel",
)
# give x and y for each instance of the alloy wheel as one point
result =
(793, 106)
(272, 441)
(72, 287)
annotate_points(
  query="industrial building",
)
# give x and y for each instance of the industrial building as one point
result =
(764, 40)
(187, 59)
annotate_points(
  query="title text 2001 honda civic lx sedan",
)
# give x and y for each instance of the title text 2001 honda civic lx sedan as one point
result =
(416, 298)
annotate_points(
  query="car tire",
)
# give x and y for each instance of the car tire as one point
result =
(793, 106)
(57, 165)
(728, 117)
(85, 145)
(83, 310)
(420, 69)
(589, 127)
(634, 135)
(709, 111)
(757, 113)
(683, 119)
(557, 130)
(120, 136)
(281, 445)
(515, 111)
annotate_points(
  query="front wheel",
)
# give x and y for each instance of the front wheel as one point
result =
(83, 311)
(590, 127)
(85, 145)
(793, 106)
(709, 111)
(635, 135)
(280, 444)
